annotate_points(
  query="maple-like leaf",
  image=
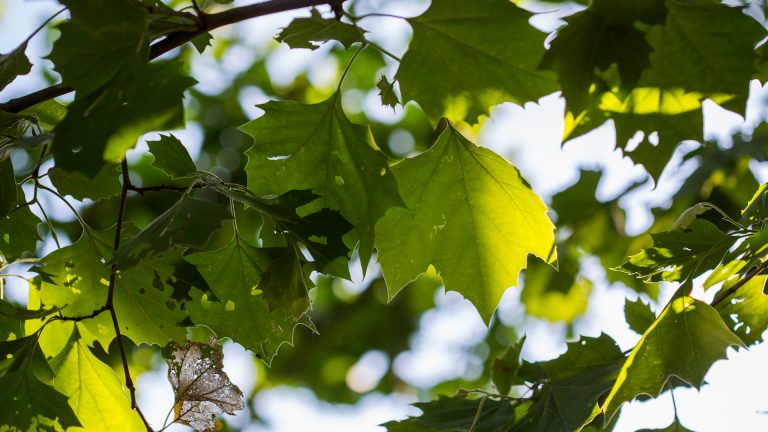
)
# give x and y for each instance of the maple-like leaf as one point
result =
(315, 30)
(202, 389)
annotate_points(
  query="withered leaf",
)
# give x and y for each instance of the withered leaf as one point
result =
(203, 391)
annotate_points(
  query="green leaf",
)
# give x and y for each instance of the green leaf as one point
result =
(300, 146)
(25, 398)
(387, 92)
(504, 369)
(171, 157)
(639, 315)
(95, 392)
(468, 56)
(105, 185)
(18, 234)
(241, 310)
(558, 295)
(202, 42)
(102, 38)
(577, 379)
(314, 31)
(13, 64)
(105, 123)
(680, 253)
(746, 311)
(676, 426)
(470, 215)
(686, 339)
(457, 414)
(8, 188)
(705, 47)
(188, 223)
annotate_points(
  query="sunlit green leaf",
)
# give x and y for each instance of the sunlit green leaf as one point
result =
(299, 146)
(686, 339)
(746, 311)
(470, 215)
(463, 59)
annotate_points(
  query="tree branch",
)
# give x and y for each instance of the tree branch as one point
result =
(111, 294)
(176, 39)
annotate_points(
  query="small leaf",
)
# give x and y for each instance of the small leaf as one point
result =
(746, 311)
(676, 426)
(457, 415)
(387, 92)
(202, 389)
(470, 215)
(686, 339)
(202, 42)
(13, 64)
(171, 157)
(505, 368)
(105, 185)
(18, 234)
(313, 31)
(639, 315)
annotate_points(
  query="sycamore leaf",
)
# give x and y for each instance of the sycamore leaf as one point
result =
(387, 92)
(171, 157)
(676, 426)
(8, 188)
(95, 392)
(705, 47)
(26, 397)
(202, 389)
(13, 64)
(18, 234)
(681, 253)
(202, 42)
(746, 311)
(505, 368)
(470, 215)
(639, 315)
(299, 146)
(105, 185)
(242, 311)
(101, 39)
(463, 59)
(457, 415)
(313, 31)
(188, 223)
(102, 125)
(684, 342)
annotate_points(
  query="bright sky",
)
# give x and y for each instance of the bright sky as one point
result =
(734, 400)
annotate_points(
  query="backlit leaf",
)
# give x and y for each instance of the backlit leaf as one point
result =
(746, 311)
(171, 157)
(105, 185)
(470, 215)
(463, 59)
(686, 339)
(18, 234)
(313, 31)
(639, 315)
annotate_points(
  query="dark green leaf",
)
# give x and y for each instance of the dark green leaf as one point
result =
(470, 215)
(387, 92)
(463, 59)
(189, 223)
(13, 64)
(299, 146)
(457, 415)
(8, 188)
(25, 399)
(105, 185)
(241, 310)
(674, 427)
(171, 157)
(639, 315)
(505, 368)
(313, 31)
(686, 339)
(680, 253)
(18, 234)
(105, 123)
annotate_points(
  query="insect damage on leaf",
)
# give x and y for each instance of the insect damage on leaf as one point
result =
(202, 389)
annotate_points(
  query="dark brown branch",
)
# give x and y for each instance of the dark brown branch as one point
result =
(163, 187)
(111, 294)
(93, 314)
(732, 290)
(176, 39)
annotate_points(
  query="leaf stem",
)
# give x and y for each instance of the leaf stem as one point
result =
(477, 414)
(349, 65)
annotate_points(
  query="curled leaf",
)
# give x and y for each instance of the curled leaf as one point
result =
(202, 389)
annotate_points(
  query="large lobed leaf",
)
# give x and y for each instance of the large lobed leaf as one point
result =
(470, 214)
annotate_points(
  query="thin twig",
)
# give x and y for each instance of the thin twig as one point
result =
(175, 40)
(164, 187)
(111, 294)
(732, 290)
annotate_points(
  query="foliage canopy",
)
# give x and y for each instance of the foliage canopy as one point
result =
(251, 238)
